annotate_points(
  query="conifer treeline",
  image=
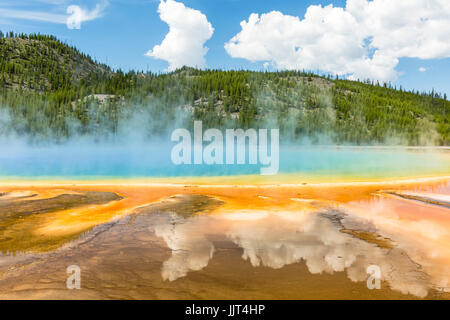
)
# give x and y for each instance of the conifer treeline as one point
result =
(51, 90)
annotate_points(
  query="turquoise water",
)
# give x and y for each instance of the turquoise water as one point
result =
(95, 161)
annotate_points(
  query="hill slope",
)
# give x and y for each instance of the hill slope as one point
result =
(43, 63)
(51, 91)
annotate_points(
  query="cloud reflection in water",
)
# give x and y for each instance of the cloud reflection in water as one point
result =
(278, 239)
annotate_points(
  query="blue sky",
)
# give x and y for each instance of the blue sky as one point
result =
(406, 45)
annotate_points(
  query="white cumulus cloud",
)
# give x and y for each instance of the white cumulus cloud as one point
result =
(189, 29)
(365, 39)
(77, 15)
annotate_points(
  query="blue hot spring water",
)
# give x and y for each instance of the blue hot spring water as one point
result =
(90, 161)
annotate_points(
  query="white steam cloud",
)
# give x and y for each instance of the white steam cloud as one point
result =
(189, 29)
(364, 40)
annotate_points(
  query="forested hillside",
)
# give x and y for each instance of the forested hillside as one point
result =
(50, 91)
